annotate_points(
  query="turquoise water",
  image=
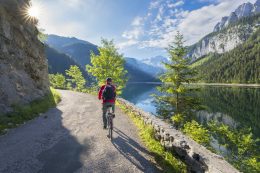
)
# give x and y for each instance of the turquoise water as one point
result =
(234, 106)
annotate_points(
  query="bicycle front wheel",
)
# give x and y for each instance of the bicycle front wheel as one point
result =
(111, 129)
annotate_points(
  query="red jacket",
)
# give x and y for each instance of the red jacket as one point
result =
(100, 95)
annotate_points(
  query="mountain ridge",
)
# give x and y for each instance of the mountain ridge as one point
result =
(226, 39)
(244, 10)
(230, 32)
(79, 51)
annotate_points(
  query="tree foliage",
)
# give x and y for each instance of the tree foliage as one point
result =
(243, 150)
(109, 63)
(76, 77)
(176, 78)
(197, 132)
(57, 81)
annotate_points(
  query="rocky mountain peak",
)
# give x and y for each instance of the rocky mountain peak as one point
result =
(257, 6)
(244, 10)
(233, 17)
(220, 24)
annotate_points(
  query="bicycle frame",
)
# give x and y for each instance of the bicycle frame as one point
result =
(110, 122)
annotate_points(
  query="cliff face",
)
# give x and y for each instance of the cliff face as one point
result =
(244, 10)
(231, 31)
(226, 39)
(23, 66)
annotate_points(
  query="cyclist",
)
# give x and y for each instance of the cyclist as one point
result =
(108, 94)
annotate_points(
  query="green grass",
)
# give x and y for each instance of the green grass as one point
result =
(165, 159)
(25, 113)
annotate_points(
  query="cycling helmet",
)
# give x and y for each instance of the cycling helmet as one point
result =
(109, 79)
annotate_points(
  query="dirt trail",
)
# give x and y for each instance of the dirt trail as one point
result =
(71, 139)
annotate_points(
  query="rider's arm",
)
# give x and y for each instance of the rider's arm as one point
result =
(100, 93)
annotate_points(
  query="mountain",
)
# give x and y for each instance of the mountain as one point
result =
(137, 75)
(154, 71)
(77, 51)
(244, 10)
(59, 62)
(59, 42)
(240, 65)
(80, 52)
(229, 33)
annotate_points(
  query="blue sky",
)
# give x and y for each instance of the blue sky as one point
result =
(140, 28)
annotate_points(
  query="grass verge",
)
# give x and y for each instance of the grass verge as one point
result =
(165, 159)
(25, 113)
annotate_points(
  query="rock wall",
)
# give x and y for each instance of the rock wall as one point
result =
(221, 42)
(23, 66)
(225, 39)
(197, 157)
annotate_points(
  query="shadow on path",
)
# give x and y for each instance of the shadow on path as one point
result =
(63, 156)
(131, 150)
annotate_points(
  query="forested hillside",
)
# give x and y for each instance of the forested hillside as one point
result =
(59, 62)
(240, 65)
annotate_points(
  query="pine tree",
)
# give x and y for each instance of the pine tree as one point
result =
(177, 77)
(77, 79)
(109, 63)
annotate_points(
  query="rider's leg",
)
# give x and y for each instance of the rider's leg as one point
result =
(104, 108)
(113, 108)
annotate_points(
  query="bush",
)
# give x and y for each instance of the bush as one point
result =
(57, 81)
(197, 132)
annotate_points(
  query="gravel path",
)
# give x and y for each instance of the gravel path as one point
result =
(71, 139)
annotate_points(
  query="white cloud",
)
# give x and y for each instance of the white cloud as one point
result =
(133, 34)
(198, 23)
(137, 21)
(170, 17)
(127, 43)
(173, 5)
(155, 4)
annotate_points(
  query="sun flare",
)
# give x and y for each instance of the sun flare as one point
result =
(33, 12)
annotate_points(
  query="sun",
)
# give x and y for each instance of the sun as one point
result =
(33, 12)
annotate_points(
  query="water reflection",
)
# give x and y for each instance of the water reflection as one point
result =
(224, 107)
(234, 106)
(140, 95)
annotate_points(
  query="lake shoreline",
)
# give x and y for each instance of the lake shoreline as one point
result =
(205, 84)
(227, 84)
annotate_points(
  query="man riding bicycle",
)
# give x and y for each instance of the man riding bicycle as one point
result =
(108, 94)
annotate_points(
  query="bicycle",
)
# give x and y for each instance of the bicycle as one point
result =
(110, 117)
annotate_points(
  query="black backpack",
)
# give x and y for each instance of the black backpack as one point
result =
(109, 92)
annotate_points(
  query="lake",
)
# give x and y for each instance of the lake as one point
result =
(234, 106)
